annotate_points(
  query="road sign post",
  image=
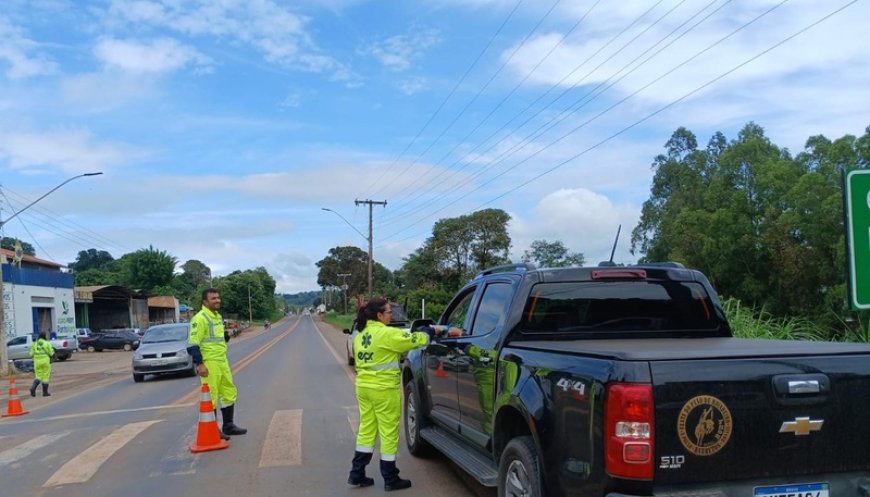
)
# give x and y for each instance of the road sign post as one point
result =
(857, 212)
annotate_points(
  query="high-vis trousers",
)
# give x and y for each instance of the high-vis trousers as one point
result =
(220, 383)
(42, 368)
(379, 414)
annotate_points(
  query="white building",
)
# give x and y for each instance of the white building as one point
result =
(37, 297)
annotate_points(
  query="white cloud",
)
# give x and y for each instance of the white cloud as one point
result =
(71, 151)
(270, 28)
(291, 101)
(585, 221)
(21, 55)
(158, 56)
(412, 86)
(397, 52)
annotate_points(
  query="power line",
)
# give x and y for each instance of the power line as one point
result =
(54, 219)
(568, 111)
(669, 105)
(474, 99)
(402, 215)
(443, 102)
(505, 98)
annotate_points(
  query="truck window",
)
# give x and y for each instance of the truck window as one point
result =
(493, 308)
(459, 312)
(619, 306)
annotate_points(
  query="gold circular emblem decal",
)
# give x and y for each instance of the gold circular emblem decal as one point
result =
(704, 425)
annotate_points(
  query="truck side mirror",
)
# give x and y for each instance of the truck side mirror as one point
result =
(419, 323)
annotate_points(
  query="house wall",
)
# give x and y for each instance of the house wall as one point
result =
(29, 294)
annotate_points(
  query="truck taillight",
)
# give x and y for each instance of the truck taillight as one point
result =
(629, 434)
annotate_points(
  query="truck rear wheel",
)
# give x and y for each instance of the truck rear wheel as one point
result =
(414, 422)
(518, 471)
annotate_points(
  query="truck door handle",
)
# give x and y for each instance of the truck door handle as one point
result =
(801, 389)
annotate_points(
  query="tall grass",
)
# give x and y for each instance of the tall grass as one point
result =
(751, 323)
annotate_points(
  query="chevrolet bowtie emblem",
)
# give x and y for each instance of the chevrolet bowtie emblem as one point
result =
(801, 426)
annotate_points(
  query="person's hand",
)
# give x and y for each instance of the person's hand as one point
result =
(454, 332)
(201, 370)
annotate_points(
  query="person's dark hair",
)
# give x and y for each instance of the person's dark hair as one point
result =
(208, 291)
(370, 311)
(42, 335)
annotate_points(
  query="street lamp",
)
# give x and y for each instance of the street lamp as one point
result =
(4, 357)
(367, 238)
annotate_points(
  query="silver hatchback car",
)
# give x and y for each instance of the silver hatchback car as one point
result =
(163, 350)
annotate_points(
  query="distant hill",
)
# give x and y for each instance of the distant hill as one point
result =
(302, 299)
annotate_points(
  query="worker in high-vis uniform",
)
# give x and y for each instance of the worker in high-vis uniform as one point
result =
(41, 351)
(207, 345)
(377, 351)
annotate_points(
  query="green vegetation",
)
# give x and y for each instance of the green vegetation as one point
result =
(340, 321)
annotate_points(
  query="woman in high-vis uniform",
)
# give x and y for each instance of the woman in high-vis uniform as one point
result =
(377, 351)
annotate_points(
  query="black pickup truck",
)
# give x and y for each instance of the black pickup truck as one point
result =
(626, 381)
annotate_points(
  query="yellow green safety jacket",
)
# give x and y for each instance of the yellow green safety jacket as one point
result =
(377, 350)
(207, 331)
(41, 350)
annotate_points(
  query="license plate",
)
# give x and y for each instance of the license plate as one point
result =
(160, 362)
(797, 490)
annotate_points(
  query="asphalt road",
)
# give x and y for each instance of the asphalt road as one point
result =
(104, 435)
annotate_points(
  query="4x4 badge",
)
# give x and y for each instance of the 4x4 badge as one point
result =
(801, 426)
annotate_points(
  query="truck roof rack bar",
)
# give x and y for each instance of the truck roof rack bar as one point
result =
(663, 264)
(518, 266)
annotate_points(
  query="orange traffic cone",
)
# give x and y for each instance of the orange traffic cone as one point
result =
(440, 371)
(13, 408)
(208, 436)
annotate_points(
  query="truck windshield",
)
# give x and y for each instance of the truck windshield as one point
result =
(619, 306)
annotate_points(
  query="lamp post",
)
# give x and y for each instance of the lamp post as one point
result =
(367, 238)
(4, 356)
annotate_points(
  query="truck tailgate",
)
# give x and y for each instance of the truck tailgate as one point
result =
(728, 418)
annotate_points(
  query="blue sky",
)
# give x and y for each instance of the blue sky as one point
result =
(222, 128)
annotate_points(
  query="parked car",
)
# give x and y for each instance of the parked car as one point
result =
(399, 320)
(126, 340)
(163, 350)
(83, 334)
(19, 347)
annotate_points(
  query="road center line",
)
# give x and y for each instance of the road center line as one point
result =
(82, 467)
(192, 397)
(94, 413)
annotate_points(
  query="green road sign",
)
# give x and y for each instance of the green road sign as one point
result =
(858, 236)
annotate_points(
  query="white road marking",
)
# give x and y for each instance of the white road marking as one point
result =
(95, 413)
(20, 452)
(353, 418)
(283, 446)
(82, 467)
(338, 358)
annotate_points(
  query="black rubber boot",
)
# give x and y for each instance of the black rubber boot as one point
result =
(223, 435)
(33, 388)
(45, 390)
(391, 477)
(230, 428)
(358, 470)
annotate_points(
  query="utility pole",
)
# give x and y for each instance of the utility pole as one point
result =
(343, 277)
(4, 356)
(371, 262)
(250, 315)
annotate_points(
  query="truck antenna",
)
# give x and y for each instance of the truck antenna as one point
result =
(615, 242)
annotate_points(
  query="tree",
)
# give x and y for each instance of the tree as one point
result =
(244, 290)
(553, 254)
(345, 260)
(9, 244)
(146, 269)
(91, 259)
